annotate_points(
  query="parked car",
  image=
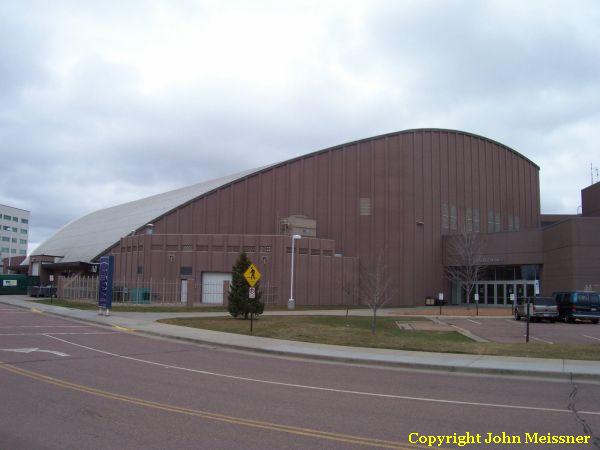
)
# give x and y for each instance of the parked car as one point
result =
(578, 305)
(541, 308)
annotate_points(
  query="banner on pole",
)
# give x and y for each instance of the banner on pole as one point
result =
(105, 285)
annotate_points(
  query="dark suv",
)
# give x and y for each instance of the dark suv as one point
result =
(578, 305)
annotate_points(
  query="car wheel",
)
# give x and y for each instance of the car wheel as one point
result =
(594, 321)
(570, 320)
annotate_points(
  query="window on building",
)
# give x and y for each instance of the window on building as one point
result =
(516, 223)
(453, 217)
(364, 207)
(490, 227)
(13, 251)
(15, 219)
(14, 240)
(469, 222)
(497, 224)
(5, 238)
(7, 217)
(5, 249)
(140, 270)
(476, 228)
(23, 241)
(6, 228)
(24, 221)
(22, 252)
(445, 217)
(185, 270)
(23, 231)
(15, 229)
(510, 223)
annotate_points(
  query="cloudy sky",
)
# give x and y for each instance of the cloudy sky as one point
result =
(106, 102)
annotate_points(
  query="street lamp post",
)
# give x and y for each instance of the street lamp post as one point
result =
(291, 302)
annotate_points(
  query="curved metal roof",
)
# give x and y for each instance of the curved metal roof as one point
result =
(88, 237)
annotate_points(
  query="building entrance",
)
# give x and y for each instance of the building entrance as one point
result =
(499, 292)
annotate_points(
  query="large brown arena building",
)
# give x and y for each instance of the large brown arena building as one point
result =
(401, 196)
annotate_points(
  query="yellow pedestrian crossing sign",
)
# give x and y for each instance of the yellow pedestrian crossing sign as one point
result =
(252, 275)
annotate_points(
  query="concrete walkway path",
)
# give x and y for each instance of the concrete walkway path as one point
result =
(145, 323)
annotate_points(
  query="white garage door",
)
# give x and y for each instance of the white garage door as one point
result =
(212, 287)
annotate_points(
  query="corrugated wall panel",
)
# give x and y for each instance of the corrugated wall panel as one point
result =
(405, 177)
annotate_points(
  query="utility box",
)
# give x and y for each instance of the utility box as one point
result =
(139, 295)
(298, 224)
(14, 284)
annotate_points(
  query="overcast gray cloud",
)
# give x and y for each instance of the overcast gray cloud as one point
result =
(105, 102)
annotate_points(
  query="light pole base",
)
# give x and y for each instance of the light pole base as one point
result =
(291, 303)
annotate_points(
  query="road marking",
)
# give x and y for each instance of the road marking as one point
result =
(37, 311)
(45, 326)
(56, 332)
(209, 415)
(474, 321)
(128, 330)
(539, 339)
(319, 388)
(31, 350)
(591, 337)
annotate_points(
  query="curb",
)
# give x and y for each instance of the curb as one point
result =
(458, 369)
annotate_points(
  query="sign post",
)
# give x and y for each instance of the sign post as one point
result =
(441, 301)
(252, 276)
(105, 285)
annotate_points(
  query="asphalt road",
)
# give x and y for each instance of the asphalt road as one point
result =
(68, 385)
(509, 330)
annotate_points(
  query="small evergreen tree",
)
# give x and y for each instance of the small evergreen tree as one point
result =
(238, 302)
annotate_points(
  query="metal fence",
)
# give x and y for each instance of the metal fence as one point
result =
(85, 288)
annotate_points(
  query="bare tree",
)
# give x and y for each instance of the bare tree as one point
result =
(375, 287)
(465, 268)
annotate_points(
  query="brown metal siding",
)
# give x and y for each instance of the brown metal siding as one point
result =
(407, 178)
(590, 200)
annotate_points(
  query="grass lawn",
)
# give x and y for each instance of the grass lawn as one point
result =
(355, 331)
(172, 308)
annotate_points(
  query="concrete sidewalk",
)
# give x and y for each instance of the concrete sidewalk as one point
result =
(145, 323)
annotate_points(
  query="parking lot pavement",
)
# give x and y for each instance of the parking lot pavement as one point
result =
(508, 330)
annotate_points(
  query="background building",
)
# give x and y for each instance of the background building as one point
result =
(400, 196)
(14, 233)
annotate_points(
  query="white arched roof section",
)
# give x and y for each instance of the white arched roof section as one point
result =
(87, 237)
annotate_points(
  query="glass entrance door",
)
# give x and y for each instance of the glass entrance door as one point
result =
(499, 292)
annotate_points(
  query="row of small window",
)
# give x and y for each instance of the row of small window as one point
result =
(472, 220)
(14, 218)
(14, 240)
(203, 248)
(13, 251)
(14, 229)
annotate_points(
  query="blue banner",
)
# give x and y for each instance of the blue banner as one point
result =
(105, 286)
